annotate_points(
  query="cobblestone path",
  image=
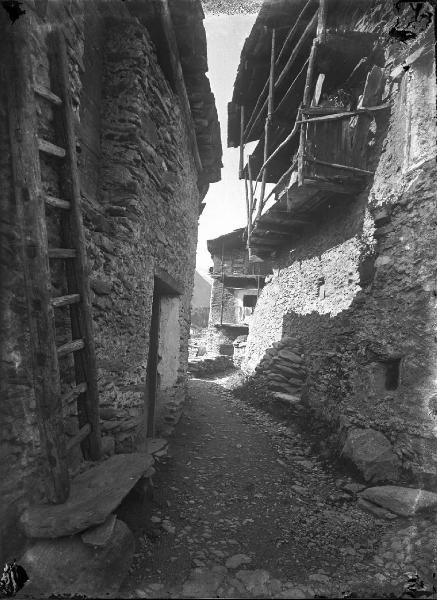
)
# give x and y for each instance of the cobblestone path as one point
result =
(243, 508)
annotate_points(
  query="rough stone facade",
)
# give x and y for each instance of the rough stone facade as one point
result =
(141, 193)
(359, 287)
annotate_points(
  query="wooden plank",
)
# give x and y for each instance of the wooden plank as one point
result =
(337, 166)
(65, 300)
(62, 253)
(47, 94)
(70, 347)
(282, 178)
(77, 271)
(49, 148)
(31, 218)
(57, 202)
(371, 97)
(74, 393)
(83, 432)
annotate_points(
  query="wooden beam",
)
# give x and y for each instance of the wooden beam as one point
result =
(62, 253)
(57, 202)
(268, 120)
(65, 300)
(336, 166)
(79, 437)
(49, 148)
(77, 270)
(47, 94)
(73, 393)
(347, 114)
(400, 69)
(33, 234)
(70, 347)
(321, 23)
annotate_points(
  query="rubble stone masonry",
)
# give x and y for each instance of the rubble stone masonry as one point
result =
(140, 204)
(359, 288)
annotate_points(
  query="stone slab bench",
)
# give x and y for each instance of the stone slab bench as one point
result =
(94, 495)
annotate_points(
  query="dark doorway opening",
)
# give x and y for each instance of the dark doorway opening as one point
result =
(392, 373)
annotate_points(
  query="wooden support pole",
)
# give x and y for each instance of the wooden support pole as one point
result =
(246, 189)
(268, 120)
(30, 208)
(249, 224)
(305, 102)
(240, 170)
(284, 48)
(311, 25)
(321, 24)
(223, 283)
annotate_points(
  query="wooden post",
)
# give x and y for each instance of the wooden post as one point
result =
(77, 269)
(321, 25)
(34, 255)
(240, 170)
(223, 282)
(249, 230)
(268, 120)
(288, 39)
(305, 102)
(247, 195)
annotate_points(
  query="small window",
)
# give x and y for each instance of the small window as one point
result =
(321, 288)
(392, 372)
(249, 300)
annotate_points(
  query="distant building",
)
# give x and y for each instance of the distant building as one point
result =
(235, 290)
(200, 302)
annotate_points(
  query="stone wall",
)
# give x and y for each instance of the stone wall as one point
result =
(141, 199)
(359, 288)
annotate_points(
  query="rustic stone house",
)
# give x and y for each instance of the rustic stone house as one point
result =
(235, 290)
(341, 96)
(109, 141)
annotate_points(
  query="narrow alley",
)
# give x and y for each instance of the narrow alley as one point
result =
(245, 508)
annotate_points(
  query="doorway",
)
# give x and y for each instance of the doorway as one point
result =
(164, 346)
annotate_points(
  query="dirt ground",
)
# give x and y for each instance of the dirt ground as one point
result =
(244, 507)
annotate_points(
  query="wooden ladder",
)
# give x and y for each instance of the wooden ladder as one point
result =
(31, 202)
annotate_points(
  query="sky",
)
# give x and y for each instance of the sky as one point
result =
(225, 208)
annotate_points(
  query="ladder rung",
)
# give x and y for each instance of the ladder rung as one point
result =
(44, 92)
(57, 202)
(65, 300)
(49, 148)
(74, 393)
(79, 437)
(62, 253)
(70, 347)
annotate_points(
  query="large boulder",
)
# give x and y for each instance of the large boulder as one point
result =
(402, 501)
(67, 565)
(372, 454)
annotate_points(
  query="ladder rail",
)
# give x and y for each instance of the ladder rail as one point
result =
(74, 237)
(30, 209)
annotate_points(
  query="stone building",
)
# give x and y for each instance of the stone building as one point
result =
(343, 105)
(106, 116)
(234, 294)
